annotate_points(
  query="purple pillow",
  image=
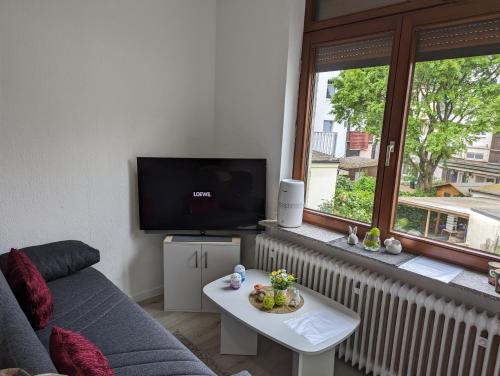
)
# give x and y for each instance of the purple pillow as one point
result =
(30, 289)
(75, 355)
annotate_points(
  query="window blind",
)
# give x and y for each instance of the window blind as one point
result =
(469, 39)
(370, 52)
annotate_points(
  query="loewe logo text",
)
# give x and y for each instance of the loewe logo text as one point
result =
(202, 194)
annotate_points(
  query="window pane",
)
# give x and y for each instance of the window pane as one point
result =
(328, 126)
(449, 187)
(346, 127)
(325, 9)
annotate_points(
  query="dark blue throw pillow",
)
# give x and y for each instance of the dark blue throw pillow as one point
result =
(56, 260)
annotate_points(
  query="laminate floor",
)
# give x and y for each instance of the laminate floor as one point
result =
(203, 330)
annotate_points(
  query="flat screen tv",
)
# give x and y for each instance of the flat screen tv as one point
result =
(201, 193)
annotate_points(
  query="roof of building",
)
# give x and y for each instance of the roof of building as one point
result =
(491, 189)
(489, 212)
(460, 206)
(463, 188)
(323, 158)
(473, 166)
(350, 163)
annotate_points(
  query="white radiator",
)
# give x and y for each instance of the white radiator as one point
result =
(403, 330)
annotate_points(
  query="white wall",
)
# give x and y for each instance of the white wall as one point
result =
(86, 86)
(257, 71)
(322, 178)
(483, 231)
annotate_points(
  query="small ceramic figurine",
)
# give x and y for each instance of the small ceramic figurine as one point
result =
(259, 292)
(240, 269)
(353, 238)
(235, 281)
(260, 296)
(393, 246)
(295, 300)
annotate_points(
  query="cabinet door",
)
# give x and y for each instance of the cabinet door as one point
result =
(217, 261)
(182, 279)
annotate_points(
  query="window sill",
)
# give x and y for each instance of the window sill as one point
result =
(468, 280)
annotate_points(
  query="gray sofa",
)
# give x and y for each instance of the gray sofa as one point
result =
(87, 302)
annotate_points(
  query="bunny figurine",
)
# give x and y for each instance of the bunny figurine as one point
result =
(295, 300)
(353, 238)
(393, 246)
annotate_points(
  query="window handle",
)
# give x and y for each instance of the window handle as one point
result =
(196, 264)
(206, 260)
(388, 151)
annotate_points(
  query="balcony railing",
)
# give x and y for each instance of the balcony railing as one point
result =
(325, 142)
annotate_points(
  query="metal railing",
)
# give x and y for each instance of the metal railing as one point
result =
(325, 142)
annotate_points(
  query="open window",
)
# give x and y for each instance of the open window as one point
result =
(343, 162)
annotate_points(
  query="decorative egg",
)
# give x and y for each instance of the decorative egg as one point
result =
(240, 269)
(235, 281)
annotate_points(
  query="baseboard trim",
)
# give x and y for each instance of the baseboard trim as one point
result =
(146, 294)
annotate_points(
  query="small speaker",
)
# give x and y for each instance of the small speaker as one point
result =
(290, 203)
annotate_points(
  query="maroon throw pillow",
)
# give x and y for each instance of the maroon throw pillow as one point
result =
(30, 289)
(75, 355)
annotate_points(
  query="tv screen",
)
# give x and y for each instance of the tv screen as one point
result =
(201, 193)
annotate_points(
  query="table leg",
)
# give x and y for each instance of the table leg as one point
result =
(236, 338)
(317, 365)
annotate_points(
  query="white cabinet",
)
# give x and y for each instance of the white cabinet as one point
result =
(190, 265)
(182, 277)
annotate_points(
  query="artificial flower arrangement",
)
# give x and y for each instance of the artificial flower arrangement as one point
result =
(281, 280)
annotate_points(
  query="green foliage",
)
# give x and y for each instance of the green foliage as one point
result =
(280, 279)
(353, 199)
(452, 102)
(411, 218)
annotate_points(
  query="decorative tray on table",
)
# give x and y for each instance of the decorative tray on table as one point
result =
(285, 308)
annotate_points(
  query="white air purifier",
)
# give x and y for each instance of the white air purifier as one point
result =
(290, 203)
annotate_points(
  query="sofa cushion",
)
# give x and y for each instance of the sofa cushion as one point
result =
(73, 354)
(30, 289)
(19, 345)
(133, 342)
(59, 259)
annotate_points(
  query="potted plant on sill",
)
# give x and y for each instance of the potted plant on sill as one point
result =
(372, 240)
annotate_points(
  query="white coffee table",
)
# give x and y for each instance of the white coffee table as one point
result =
(241, 321)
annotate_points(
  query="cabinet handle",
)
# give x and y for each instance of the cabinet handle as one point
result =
(206, 260)
(196, 253)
